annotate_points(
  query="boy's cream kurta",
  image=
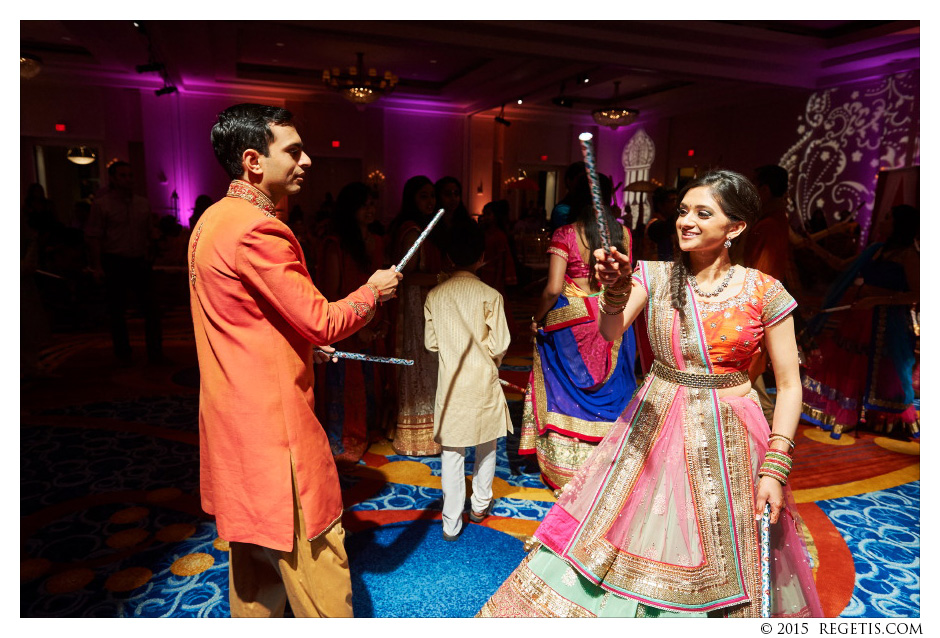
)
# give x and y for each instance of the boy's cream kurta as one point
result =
(466, 325)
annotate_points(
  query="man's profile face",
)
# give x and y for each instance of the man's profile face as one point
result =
(284, 167)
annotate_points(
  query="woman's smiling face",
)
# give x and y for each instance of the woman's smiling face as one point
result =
(701, 223)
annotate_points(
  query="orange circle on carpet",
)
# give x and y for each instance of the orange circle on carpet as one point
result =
(33, 568)
(127, 538)
(164, 494)
(192, 564)
(128, 579)
(129, 515)
(176, 533)
(69, 581)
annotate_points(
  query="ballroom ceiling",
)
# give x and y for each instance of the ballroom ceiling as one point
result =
(470, 66)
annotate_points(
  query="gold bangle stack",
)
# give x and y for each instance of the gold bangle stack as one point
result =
(781, 437)
(614, 298)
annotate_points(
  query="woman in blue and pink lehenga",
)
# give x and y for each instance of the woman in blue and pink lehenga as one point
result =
(580, 383)
(661, 520)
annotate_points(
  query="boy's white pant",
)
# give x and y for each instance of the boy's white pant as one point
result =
(455, 485)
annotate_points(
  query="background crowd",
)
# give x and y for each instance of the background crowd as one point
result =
(858, 303)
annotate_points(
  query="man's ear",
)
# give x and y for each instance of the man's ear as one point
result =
(251, 161)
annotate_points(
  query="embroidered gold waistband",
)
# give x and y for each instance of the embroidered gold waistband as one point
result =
(694, 380)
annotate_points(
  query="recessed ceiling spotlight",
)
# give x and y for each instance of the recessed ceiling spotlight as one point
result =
(586, 79)
(519, 101)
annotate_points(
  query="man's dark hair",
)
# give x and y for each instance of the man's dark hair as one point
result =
(114, 166)
(774, 177)
(245, 126)
(466, 243)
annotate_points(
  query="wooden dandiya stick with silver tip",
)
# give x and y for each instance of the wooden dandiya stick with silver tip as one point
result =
(587, 151)
(424, 234)
(371, 358)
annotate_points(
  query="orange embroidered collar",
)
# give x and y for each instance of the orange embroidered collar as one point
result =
(246, 191)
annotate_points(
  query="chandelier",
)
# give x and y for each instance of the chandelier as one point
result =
(30, 65)
(614, 115)
(81, 155)
(359, 85)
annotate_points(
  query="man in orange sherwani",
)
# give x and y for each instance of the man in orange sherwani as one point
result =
(267, 473)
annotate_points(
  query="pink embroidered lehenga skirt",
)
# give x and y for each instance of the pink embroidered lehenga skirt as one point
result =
(660, 521)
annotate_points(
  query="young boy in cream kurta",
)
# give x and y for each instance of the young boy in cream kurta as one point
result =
(466, 325)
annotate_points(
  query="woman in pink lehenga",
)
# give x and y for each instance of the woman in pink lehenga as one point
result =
(661, 520)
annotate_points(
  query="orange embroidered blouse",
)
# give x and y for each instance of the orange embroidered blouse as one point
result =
(733, 328)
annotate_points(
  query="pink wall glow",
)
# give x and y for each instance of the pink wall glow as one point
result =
(422, 144)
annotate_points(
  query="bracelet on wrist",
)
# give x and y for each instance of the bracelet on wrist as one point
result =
(781, 437)
(776, 465)
(375, 293)
(622, 285)
(613, 309)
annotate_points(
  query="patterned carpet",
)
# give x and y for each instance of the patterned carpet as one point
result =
(111, 524)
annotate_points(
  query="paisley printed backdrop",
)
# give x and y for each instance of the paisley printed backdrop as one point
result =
(847, 135)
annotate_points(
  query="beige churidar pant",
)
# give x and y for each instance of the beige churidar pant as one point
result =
(314, 576)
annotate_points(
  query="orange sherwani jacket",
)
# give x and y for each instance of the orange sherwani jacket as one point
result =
(257, 315)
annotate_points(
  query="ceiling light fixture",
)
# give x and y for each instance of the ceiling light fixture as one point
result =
(358, 85)
(80, 155)
(153, 64)
(614, 115)
(502, 120)
(30, 65)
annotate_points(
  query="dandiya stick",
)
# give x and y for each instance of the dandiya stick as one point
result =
(511, 386)
(49, 274)
(765, 562)
(355, 356)
(835, 309)
(587, 150)
(424, 234)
